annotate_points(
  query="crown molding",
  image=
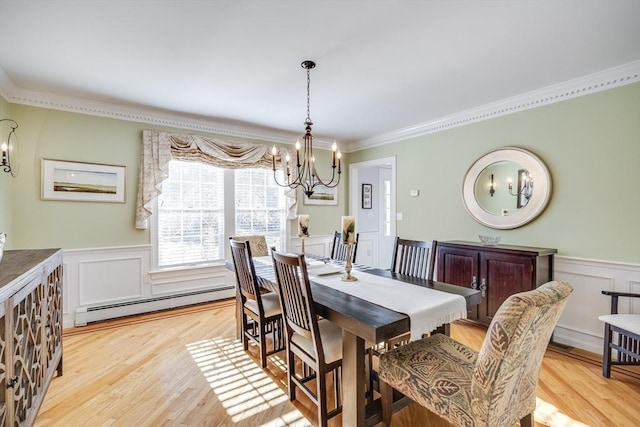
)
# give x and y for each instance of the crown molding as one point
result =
(607, 79)
(603, 80)
(17, 95)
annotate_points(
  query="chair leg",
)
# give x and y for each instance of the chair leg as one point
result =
(243, 331)
(263, 346)
(321, 394)
(291, 371)
(606, 355)
(527, 421)
(386, 399)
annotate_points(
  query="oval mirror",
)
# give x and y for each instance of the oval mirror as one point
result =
(506, 188)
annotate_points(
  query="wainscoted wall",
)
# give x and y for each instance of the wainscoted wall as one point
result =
(111, 282)
(579, 325)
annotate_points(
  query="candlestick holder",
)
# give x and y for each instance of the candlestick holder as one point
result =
(347, 268)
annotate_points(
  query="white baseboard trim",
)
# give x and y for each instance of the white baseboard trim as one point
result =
(85, 315)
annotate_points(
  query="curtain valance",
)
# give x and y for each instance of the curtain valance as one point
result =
(158, 148)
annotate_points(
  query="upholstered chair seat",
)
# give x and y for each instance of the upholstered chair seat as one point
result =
(628, 322)
(270, 304)
(331, 337)
(436, 373)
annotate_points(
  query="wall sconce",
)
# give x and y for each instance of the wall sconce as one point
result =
(525, 187)
(9, 147)
(492, 186)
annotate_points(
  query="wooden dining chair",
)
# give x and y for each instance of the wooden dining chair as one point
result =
(495, 387)
(415, 258)
(339, 249)
(260, 312)
(317, 344)
(257, 242)
(621, 333)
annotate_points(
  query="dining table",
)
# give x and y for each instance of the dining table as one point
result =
(362, 322)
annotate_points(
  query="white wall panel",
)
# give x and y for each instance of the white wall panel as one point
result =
(579, 325)
(109, 280)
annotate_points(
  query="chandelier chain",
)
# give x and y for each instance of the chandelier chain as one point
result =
(308, 95)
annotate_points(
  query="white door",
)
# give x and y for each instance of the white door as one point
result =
(375, 246)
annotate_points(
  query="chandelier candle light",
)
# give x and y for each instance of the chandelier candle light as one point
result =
(304, 170)
(303, 228)
(348, 239)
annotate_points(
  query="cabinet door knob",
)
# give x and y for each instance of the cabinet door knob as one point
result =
(474, 283)
(483, 287)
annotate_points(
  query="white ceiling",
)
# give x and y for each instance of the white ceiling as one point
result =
(382, 66)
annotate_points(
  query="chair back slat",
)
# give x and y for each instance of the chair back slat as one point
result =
(245, 271)
(414, 258)
(339, 249)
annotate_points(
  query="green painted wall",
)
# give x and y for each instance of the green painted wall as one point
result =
(591, 146)
(59, 135)
(5, 198)
(51, 134)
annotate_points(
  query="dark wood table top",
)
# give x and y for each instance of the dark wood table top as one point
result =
(370, 321)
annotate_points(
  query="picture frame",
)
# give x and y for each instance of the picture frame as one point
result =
(84, 182)
(367, 196)
(322, 195)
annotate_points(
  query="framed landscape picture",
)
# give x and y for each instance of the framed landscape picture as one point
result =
(322, 196)
(86, 182)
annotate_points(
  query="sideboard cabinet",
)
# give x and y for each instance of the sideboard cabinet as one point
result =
(30, 331)
(497, 271)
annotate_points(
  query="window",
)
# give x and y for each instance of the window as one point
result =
(202, 205)
(260, 205)
(387, 208)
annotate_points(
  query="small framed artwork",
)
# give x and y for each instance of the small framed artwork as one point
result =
(366, 196)
(322, 196)
(85, 182)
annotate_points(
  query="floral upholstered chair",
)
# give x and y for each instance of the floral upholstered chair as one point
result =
(257, 242)
(493, 387)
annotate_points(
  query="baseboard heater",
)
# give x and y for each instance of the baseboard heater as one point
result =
(86, 315)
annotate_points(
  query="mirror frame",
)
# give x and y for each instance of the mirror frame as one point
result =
(537, 203)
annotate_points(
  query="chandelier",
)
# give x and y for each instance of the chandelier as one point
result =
(303, 173)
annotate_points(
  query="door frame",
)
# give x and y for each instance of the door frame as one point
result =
(355, 185)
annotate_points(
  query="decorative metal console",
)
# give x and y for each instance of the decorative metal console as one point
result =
(30, 331)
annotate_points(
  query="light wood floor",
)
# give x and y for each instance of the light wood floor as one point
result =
(186, 369)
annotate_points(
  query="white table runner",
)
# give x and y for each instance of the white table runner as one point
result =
(427, 308)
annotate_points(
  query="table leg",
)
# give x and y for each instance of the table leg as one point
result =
(353, 380)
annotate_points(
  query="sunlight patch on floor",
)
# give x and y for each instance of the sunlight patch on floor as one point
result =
(242, 387)
(549, 415)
